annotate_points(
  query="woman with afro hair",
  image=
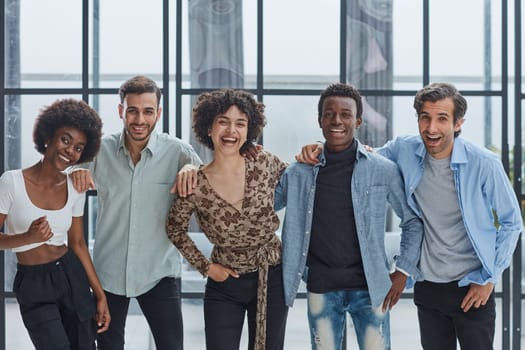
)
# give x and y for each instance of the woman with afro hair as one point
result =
(42, 213)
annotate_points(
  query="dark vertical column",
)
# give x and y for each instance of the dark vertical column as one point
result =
(487, 71)
(96, 53)
(426, 42)
(518, 187)
(2, 164)
(178, 70)
(85, 50)
(165, 66)
(506, 279)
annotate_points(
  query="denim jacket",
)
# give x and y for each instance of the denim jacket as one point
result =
(375, 181)
(483, 189)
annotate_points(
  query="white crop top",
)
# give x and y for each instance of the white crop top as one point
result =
(20, 211)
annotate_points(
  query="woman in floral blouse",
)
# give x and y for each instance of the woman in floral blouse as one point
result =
(233, 202)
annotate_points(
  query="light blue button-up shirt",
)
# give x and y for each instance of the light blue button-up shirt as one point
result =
(375, 181)
(132, 252)
(483, 189)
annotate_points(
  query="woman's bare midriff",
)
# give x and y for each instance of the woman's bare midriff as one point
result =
(41, 254)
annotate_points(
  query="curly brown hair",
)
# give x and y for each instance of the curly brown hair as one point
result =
(210, 104)
(69, 113)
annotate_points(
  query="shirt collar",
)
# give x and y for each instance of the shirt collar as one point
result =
(361, 152)
(459, 152)
(151, 146)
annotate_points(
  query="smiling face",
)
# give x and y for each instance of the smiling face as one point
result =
(338, 121)
(139, 113)
(437, 127)
(66, 147)
(229, 131)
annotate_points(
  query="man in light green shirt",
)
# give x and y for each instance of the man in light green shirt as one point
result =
(133, 172)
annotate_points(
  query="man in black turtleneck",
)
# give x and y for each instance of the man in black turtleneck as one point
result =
(334, 258)
(334, 229)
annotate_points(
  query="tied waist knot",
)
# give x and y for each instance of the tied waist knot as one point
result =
(245, 260)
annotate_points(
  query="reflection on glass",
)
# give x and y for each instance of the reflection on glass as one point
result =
(216, 49)
(369, 64)
(216, 45)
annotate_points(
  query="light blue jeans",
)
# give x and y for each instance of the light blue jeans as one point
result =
(327, 315)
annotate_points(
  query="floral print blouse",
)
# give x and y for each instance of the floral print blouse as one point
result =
(244, 240)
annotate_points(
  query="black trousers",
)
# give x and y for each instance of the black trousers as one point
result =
(442, 322)
(162, 308)
(226, 304)
(56, 304)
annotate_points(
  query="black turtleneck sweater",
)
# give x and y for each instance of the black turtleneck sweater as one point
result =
(334, 257)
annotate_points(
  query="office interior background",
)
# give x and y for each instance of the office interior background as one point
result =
(285, 52)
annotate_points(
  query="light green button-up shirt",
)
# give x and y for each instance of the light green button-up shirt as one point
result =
(132, 251)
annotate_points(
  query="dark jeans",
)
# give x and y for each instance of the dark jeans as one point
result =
(442, 322)
(57, 306)
(162, 308)
(225, 306)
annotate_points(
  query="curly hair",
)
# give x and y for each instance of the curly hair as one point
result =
(139, 84)
(211, 104)
(439, 91)
(340, 90)
(69, 113)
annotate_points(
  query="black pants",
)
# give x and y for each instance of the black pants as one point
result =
(56, 303)
(442, 322)
(225, 306)
(162, 308)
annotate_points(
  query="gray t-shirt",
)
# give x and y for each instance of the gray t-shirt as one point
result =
(446, 254)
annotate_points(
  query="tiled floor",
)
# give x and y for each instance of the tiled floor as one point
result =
(404, 331)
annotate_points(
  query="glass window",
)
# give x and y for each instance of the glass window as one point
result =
(404, 120)
(455, 56)
(221, 41)
(107, 108)
(369, 44)
(301, 49)
(130, 39)
(301, 43)
(39, 51)
(407, 48)
(291, 123)
(482, 124)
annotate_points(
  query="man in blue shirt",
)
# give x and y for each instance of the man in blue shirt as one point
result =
(456, 188)
(334, 230)
(471, 219)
